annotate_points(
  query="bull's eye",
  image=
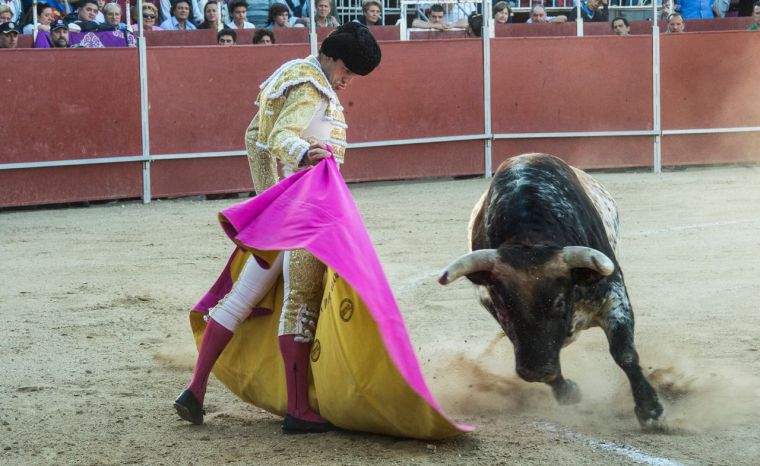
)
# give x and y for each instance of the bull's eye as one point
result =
(558, 308)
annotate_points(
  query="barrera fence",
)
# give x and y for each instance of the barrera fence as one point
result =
(169, 121)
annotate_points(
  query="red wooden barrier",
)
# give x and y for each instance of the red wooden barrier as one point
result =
(716, 87)
(201, 100)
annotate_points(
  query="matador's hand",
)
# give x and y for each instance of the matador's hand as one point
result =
(317, 152)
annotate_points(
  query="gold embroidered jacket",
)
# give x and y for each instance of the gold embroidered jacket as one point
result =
(288, 102)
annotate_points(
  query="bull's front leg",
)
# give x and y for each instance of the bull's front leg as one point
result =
(620, 337)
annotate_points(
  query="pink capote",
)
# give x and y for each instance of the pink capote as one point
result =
(314, 210)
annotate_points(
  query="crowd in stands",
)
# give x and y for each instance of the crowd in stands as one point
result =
(228, 16)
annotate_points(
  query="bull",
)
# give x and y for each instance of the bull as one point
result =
(543, 240)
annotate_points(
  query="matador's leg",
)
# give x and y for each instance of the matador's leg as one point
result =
(303, 275)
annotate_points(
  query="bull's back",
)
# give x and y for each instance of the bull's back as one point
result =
(600, 198)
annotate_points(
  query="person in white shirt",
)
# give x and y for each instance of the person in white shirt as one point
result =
(239, 9)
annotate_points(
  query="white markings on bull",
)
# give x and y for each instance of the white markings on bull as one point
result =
(620, 449)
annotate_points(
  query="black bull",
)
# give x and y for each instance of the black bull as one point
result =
(543, 239)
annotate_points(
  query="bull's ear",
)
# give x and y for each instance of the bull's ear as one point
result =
(481, 278)
(585, 277)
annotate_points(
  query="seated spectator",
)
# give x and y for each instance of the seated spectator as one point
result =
(676, 24)
(85, 17)
(325, 17)
(538, 15)
(9, 35)
(502, 13)
(180, 20)
(149, 18)
(195, 16)
(620, 26)
(112, 13)
(279, 17)
(226, 37)
(591, 10)
(263, 37)
(755, 17)
(6, 14)
(224, 14)
(44, 18)
(720, 8)
(695, 9)
(474, 24)
(298, 9)
(14, 11)
(59, 34)
(372, 13)
(210, 16)
(100, 17)
(435, 20)
(239, 9)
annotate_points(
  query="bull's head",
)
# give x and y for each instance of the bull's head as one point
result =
(532, 291)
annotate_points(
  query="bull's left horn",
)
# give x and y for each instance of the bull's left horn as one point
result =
(580, 256)
(476, 261)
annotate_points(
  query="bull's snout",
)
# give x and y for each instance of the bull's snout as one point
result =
(537, 374)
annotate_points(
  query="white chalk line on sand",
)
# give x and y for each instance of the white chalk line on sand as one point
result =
(690, 227)
(626, 451)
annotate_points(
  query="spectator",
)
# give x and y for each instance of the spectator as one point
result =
(720, 8)
(195, 16)
(8, 35)
(226, 37)
(6, 14)
(538, 15)
(180, 20)
(298, 9)
(210, 16)
(112, 13)
(258, 12)
(676, 24)
(325, 17)
(44, 18)
(695, 9)
(435, 20)
(224, 14)
(239, 9)
(591, 10)
(279, 17)
(85, 18)
(100, 17)
(755, 17)
(149, 17)
(502, 13)
(263, 37)
(16, 9)
(474, 24)
(372, 10)
(59, 34)
(620, 26)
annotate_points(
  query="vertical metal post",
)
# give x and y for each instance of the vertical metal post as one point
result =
(486, 33)
(578, 19)
(144, 122)
(402, 25)
(312, 27)
(657, 155)
(34, 23)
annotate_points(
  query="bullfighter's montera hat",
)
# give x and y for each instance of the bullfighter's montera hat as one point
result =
(354, 44)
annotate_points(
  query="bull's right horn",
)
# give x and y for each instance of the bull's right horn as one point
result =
(476, 261)
(579, 256)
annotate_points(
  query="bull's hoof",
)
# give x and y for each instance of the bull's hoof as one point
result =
(650, 416)
(567, 392)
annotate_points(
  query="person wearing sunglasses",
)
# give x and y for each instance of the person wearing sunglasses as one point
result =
(149, 18)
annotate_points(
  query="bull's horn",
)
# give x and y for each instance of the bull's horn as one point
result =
(579, 256)
(476, 261)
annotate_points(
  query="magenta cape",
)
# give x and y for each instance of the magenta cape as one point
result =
(314, 210)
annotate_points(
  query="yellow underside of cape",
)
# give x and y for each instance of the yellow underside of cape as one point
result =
(353, 382)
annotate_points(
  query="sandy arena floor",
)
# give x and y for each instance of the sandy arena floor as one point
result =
(96, 340)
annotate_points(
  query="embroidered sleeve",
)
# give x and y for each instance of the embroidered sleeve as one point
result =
(285, 142)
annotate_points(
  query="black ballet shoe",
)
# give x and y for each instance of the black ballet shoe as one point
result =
(189, 408)
(293, 425)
